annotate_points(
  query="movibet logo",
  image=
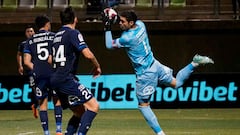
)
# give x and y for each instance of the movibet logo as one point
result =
(15, 95)
(198, 92)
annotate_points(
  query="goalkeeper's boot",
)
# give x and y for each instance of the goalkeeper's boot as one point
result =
(202, 60)
(34, 111)
(161, 133)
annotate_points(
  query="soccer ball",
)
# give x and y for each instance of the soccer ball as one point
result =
(111, 14)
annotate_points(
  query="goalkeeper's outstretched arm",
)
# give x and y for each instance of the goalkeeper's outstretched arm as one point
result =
(109, 17)
(110, 42)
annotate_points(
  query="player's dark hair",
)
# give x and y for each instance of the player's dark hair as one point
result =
(67, 16)
(130, 15)
(41, 21)
(28, 26)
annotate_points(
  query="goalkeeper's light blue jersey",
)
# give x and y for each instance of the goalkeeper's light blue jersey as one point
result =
(136, 43)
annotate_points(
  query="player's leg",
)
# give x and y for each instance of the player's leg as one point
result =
(73, 125)
(92, 108)
(44, 115)
(42, 95)
(58, 115)
(74, 94)
(34, 105)
(150, 118)
(74, 121)
(34, 99)
(145, 87)
(182, 76)
(185, 72)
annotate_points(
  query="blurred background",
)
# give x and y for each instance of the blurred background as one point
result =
(178, 29)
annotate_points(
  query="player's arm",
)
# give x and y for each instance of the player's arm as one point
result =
(78, 41)
(19, 62)
(110, 43)
(108, 33)
(27, 61)
(96, 66)
(50, 59)
(108, 39)
(108, 20)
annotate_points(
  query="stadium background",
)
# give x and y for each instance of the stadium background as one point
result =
(173, 43)
(176, 34)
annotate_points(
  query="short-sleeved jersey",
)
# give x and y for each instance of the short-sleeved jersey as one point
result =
(66, 47)
(21, 49)
(136, 43)
(39, 47)
(21, 46)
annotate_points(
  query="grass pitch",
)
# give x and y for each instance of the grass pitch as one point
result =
(130, 122)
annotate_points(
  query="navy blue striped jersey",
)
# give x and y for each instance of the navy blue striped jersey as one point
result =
(39, 47)
(67, 45)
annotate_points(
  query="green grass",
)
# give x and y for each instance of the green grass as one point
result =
(130, 122)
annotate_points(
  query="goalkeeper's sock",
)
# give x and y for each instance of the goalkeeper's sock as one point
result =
(183, 75)
(44, 121)
(150, 118)
(58, 118)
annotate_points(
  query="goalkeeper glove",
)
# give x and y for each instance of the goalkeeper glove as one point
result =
(106, 22)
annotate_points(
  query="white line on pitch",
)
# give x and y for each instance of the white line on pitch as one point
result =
(27, 133)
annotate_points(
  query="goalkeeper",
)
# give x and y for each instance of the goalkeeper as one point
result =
(149, 71)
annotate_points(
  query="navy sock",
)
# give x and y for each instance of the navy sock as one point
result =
(44, 120)
(58, 118)
(86, 121)
(72, 126)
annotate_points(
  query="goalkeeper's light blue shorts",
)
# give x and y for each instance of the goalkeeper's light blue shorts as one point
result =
(147, 82)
